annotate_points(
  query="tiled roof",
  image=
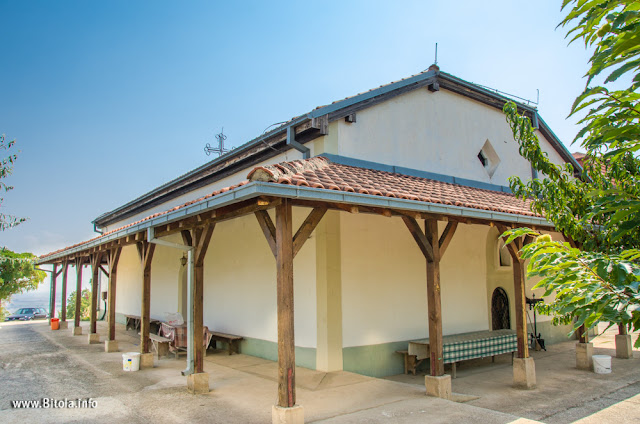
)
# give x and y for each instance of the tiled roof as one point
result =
(320, 173)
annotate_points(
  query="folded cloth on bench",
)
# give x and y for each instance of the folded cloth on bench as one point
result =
(178, 335)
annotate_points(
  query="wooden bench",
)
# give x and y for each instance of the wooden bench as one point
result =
(132, 322)
(230, 339)
(411, 362)
(160, 344)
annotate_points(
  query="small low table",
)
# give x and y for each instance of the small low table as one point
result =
(231, 340)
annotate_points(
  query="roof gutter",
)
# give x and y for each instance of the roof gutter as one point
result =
(256, 189)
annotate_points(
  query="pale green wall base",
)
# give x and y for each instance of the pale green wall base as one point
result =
(120, 318)
(305, 356)
(555, 333)
(379, 360)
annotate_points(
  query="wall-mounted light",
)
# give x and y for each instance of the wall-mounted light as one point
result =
(183, 259)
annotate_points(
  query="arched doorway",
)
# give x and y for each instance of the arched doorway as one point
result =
(500, 318)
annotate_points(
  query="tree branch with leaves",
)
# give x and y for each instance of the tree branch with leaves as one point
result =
(6, 168)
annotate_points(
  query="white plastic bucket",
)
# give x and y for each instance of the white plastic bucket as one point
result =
(131, 361)
(601, 364)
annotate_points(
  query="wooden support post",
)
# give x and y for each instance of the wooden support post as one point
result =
(76, 318)
(622, 329)
(520, 300)
(520, 305)
(285, 247)
(112, 259)
(434, 299)
(582, 334)
(145, 252)
(286, 338)
(95, 259)
(433, 248)
(63, 311)
(202, 237)
(52, 293)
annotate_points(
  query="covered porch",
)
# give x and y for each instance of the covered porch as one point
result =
(282, 190)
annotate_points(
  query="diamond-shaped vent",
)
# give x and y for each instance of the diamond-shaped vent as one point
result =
(489, 158)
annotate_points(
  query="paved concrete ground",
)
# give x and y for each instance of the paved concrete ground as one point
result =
(37, 363)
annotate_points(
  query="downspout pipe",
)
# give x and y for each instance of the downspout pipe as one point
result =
(190, 278)
(291, 141)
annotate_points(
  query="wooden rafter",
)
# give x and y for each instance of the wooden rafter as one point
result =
(268, 229)
(306, 228)
(419, 237)
(447, 235)
(302, 235)
(104, 271)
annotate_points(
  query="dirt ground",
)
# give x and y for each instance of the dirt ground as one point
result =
(37, 363)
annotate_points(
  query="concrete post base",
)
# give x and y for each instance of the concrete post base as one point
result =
(146, 360)
(293, 415)
(77, 331)
(584, 353)
(110, 346)
(63, 325)
(438, 386)
(198, 383)
(624, 347)
(524, 373)
(93, 338)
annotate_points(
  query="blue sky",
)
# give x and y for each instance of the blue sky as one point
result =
(110, 99)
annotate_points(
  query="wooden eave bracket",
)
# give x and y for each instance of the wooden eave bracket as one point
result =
(513, 247)
(423, 242)
(301, 236)
(419, 237)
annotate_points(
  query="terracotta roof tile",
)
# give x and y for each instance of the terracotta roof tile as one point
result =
(320, 173)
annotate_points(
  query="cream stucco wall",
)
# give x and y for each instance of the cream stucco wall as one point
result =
(239, 282)
(165, 267)
(384, 295)
(439, 132)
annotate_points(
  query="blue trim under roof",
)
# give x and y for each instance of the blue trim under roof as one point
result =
(342, 160)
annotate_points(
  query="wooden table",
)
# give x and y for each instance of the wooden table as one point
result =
(461, 347)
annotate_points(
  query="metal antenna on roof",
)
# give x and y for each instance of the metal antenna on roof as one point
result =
(436, 61)
(220, 150)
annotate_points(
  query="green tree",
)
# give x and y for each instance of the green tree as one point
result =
(6, 168)
(17, 273)
(595, 275)
(85, 305)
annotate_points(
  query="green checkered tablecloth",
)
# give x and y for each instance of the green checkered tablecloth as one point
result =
(478, 344)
